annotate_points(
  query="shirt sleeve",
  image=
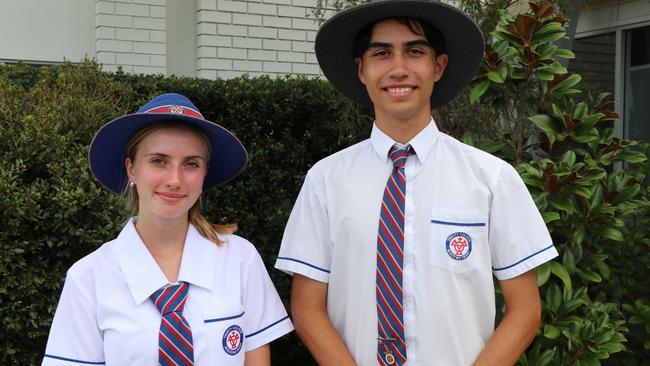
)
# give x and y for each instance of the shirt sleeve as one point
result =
(75, 338)
(265, 318)
(519, 239)
(306, 248)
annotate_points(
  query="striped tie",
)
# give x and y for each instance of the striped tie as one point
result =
(175, 337)
(391, 348)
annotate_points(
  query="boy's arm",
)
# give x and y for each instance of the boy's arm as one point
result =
(520, 322)
(313, 325)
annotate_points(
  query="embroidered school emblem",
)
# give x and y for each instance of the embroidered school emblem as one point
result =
(459, 245)
(176, 109)
(233, 338)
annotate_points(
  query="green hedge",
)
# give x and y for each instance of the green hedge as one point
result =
(52, 212)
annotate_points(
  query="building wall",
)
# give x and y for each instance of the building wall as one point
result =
(270, 37)
(47, 31)
(603, 16)
(132, 35)
(203, 38)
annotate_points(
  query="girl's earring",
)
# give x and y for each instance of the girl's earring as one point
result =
(131, 185)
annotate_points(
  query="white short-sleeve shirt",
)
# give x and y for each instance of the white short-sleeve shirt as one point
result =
(105, 315)
(452, 191)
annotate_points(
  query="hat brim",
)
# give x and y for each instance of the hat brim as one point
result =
(108, 149)
(463, 38)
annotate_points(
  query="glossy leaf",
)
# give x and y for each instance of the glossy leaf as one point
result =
(558, 270)
(478, 90)
(550, 331)
(564, 53)
(546, 123)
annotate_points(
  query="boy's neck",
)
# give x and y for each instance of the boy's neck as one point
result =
(403, 130)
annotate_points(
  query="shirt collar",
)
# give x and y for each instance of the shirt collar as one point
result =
(141, 272)
(421, 143)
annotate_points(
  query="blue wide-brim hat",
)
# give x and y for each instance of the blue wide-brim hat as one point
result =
(463, 39)
(108, 148)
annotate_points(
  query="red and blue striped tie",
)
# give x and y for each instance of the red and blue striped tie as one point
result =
(391, 348)
(175, 337)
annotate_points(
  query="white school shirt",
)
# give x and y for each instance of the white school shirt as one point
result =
(452, 191)
(105, 315)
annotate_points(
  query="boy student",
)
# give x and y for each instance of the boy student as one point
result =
(393, 242)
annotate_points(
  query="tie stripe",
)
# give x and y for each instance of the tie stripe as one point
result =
(391, 349)
(175, 337)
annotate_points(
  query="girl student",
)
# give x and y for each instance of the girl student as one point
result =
(172, 288)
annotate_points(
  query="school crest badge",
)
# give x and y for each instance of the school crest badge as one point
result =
(459, 245)
(233, 339)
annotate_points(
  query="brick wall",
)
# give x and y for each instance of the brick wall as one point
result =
(232, 37)
(131, 34)
(255, 37)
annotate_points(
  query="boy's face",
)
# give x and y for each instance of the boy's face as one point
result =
(399, 70)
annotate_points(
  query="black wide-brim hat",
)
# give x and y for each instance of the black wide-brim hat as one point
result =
(463, 38)
(108, 149)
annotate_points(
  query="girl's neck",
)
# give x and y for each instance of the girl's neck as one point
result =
(165, 240)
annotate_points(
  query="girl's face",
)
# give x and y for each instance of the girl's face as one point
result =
(168, 170)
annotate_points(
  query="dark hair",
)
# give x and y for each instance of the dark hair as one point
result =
(416, 26)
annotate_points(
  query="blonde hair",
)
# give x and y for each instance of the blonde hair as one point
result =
(207, 229)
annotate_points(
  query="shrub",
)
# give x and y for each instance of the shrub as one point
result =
(52, 212)
(566, 153)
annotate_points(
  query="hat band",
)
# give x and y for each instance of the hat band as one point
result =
(176, 109)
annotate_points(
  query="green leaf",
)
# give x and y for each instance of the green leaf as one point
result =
(564, 204)
(564, 53)
(550, 331)
(557, 112)
(469, 138)
(589, 275)
(550, 36)
(495, 76)
(546, 357)
(582, 191)
(558, 270)
(550, 216)
(587, 136)
(567, 83)
(545, 123)
(544, 74)
(547, 51)
(543, 273)
(569, 306)
(550, 27)
(626, 194)
(580, 111)
(553, 297)
(632, 156)
(558, 68)
(578, 235)
(492, 147)
(478, 90)
(611, 233)
(569, 261)
(568, 158)
(518, 74)
(603, 268)
(500, 47)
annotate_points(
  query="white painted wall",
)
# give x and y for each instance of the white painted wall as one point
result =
(47, 31)
(596, 19)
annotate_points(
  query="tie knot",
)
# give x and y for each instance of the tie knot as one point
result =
(170, 299)
(399, 156)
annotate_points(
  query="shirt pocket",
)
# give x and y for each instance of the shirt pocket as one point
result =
(458, 240)
(223, 326)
